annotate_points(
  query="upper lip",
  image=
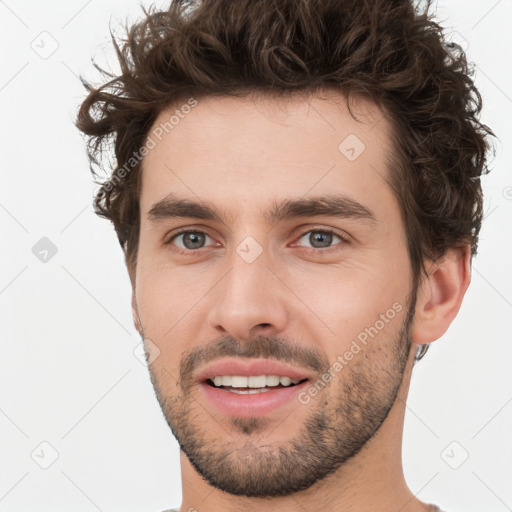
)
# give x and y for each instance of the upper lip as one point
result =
(247, 367)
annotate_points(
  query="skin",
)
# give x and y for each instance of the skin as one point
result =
(242, 155)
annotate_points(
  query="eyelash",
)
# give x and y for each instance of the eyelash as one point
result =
(193, 252)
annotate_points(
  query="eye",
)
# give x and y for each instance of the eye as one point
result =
(187, 241)
(322, 239)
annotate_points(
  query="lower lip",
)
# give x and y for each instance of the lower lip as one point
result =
(246, 406)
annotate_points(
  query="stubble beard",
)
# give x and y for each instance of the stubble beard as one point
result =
(347, 414)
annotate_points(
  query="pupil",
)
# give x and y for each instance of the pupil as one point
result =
(194, 238)
(320, 236)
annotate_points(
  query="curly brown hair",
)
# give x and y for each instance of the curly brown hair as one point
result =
(385, 50)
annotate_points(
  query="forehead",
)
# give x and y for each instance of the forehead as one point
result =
(236, 150)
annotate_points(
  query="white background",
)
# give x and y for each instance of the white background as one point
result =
(69, 376)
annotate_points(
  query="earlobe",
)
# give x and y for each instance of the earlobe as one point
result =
(440, 295)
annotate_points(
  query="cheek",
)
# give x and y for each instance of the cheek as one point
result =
(351, 296)
(168, 300)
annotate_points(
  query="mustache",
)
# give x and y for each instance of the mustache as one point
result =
(266, 347)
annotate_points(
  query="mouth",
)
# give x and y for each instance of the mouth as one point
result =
(252, 384)
(251, 388)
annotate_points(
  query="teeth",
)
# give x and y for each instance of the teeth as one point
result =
(237, 381)
(249, 391)
(253, 381)
(256, 382)
(272, 380)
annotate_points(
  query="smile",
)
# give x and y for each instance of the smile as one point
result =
(252, 384)
(251, 387)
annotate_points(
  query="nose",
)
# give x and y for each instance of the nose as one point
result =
(249, 300)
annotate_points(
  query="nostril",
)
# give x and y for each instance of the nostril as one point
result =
(263, 325)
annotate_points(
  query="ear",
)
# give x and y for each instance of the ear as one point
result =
(440, 295)
(135, 314)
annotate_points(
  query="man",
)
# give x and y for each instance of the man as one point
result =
(297, 194)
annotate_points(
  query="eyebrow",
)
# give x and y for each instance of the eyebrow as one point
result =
(336, 205)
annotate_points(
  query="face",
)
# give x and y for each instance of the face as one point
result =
(273, 286)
